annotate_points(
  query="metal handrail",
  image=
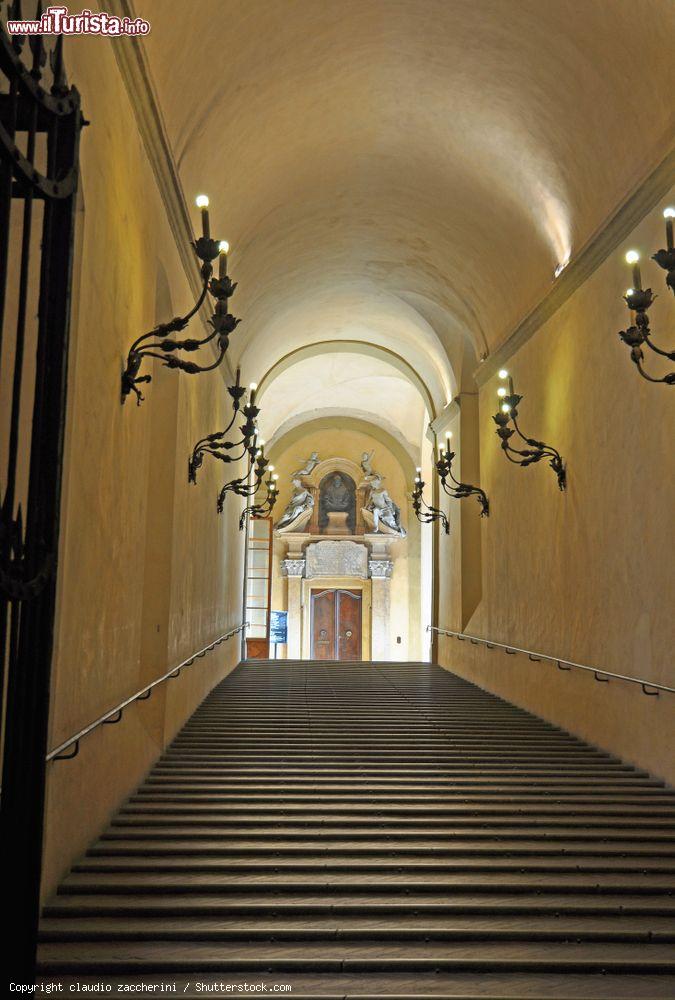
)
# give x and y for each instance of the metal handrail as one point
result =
(115, 714)
(600, 675)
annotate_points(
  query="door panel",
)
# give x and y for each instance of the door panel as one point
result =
(336, 625)
(323, 625)
(348, 625)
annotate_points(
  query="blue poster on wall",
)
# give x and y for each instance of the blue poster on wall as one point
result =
(278, 627)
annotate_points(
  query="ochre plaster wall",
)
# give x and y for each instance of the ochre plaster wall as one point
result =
(332, 442)
(148, 570)
(585, 575)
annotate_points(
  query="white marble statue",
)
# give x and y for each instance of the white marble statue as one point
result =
(384, 510)
(367, 465)
(309, 466)
(301, 501)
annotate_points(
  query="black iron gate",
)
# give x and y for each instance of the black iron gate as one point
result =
(40, 124)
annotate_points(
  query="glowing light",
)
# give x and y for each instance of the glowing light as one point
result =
(669, 213)
(506, 408)
(202, 201)
(632, 257)
(503, 373)
(501, 391)
(223, 247)
(561, 267)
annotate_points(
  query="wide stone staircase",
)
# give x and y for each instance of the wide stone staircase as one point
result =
(389, 829)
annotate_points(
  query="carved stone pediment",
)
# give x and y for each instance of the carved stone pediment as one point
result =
(336, 558)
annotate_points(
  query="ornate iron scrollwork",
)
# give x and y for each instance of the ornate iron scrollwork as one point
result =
(536, 451)
(424, 512)
(40, 126)
(639, 300)
(452, 487)
(245, 447)
(158, 344)
(265, 508)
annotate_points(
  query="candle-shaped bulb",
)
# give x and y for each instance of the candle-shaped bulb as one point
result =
(418, 470)
(503, 373)
(202, 201)
(501, 391)
(448, 435)
(669, 215)
(506, 408)
(633, 257)
(223, 248)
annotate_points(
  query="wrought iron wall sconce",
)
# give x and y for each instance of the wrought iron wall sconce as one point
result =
(536, 450)
(424, 512)
(267, 506)
(639, 299)
(218, 446)
(452, 487)
(157, 344)
(247, 485)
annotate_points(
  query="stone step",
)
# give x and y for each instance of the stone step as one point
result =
(268, 880)
(196, 843)
(377, 903)
(428, 825)
(310, 926)
(358, 956)
(419, 864)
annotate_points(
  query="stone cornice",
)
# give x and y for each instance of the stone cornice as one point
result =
(629, 214)
(137, 78)
(449, 413)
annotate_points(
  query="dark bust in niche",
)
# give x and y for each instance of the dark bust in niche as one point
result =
(337, 492)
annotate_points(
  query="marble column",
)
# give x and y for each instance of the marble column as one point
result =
(294, 569)
(380, 637)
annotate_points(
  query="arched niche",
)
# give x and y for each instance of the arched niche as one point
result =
(318, 482)
(337, 504)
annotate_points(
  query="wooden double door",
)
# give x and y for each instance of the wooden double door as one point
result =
(336, 624)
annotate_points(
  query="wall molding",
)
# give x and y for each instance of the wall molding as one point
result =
(595, 252)
(438, 427)
(136, 76)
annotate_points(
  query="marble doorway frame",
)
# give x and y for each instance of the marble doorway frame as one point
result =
(337, 583)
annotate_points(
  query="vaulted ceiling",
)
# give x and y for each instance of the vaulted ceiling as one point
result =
(408, 173)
